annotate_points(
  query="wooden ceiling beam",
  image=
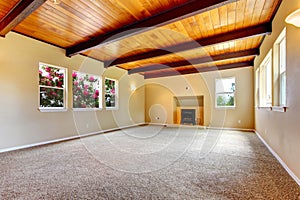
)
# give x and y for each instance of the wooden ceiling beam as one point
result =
(196, 61)
(175, 72)
(180, 12)
(23, 9)
(258, 30)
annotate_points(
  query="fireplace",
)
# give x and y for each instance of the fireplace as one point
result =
(188, 116)
(189, 110)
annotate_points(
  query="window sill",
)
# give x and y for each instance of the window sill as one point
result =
(279, 108)
(265, 108)
(52, 109)
(112, 108)
(225, 107)
(86, 109)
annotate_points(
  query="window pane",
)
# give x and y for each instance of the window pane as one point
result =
(282, 71)
(110, 93)
(110, 100)
(51, 86)
(50, 97)
(268, 92)
(225, 85)
(283, 89)
(265, 81)
(86, 90)
(257, 77)
(225, 99)
(282, 56)
(51, 76)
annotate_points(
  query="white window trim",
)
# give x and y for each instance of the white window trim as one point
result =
(225, 107)
(280, 106)
(100, 93)
(52, 109)
(282, 37)
(262, 91)
(65, 92)
(276, 74)
(257, 87)
(86, 109)
(116, 107)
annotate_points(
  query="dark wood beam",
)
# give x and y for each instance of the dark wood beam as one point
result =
(180, 12)
(22, 10)
(198, 70)
(195, 61)
(248, 32)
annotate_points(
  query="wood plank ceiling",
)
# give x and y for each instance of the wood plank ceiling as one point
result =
(155, 38)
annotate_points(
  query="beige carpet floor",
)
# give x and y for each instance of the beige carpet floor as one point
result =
(149, 162)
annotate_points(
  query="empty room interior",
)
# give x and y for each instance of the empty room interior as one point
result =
(149, 99)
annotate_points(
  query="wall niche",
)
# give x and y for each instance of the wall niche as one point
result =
(183, 103)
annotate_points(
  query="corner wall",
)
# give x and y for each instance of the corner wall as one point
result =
(20, 121)
(160, 93)
(281, 130)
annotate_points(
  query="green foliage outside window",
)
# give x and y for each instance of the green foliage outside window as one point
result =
(110, 93)
(225, 92)
(225, 101)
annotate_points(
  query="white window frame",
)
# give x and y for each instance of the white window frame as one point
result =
(282, 71)
(65, 101)
(99, 88)
(116, 107)
(279, 73)
(218, 93)
(265, 82)
(257, 85)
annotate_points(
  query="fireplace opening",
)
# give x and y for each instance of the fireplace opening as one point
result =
(188, 116)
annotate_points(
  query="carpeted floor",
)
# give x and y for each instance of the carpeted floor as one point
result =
(150, 162)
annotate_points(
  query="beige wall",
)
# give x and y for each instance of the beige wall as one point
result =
(281, 130)
(160, 93)
(20, 121)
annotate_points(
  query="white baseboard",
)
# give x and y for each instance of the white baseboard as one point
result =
(289, 171)
(202, 127)
(185, 126)
(156, 124)
(176, 125)
(38, 144)
(231, 129)
(67, 138)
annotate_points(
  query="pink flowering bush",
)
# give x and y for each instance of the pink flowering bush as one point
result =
(85, 90)
(51, 81)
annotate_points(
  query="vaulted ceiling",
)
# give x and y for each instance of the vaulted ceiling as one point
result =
(155, 38)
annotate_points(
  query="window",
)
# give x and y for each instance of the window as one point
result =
(265, 81)
(225, 92)
(86, 91)
(282, 70)
(52, 87)
(279, 71)
(257, 76)
(271, 77)
(111, 93)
